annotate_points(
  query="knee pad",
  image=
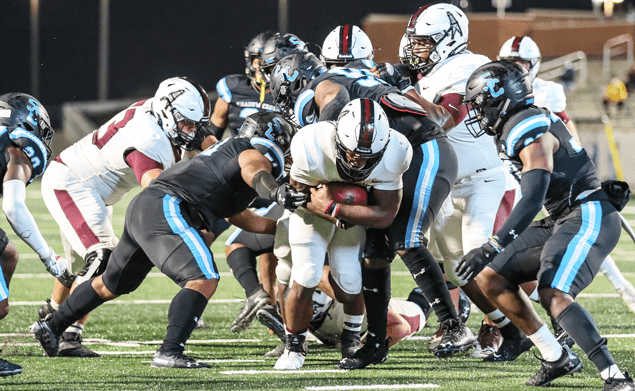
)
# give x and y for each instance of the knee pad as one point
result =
(350, 281)
(95, 264)
(283, 271)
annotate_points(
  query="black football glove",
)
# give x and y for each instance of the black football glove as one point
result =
(289, 198)
(389, 74)
(474, 262)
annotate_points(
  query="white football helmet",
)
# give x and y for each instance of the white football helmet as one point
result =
(177, 100)
(403, 50)
(522, 48)
(345, 44)
(363, 129)
(445, 25)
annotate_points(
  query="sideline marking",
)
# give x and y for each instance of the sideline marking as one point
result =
(375, 387)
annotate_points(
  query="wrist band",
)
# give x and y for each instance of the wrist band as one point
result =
(494, 243)
(336, 210)
(330, 207)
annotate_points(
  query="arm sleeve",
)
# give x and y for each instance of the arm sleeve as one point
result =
(140, 163)
(20, 218)
(533, 187)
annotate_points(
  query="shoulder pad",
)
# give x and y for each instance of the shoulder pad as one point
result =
(524, 128)
(33, 147)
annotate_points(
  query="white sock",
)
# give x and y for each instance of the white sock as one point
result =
(498, 318)
(353, 322)
(546, 343)
(75, 328)
(612, 372)
(54, 304)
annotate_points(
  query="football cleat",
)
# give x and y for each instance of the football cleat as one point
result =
(176, 360)
(200, 324)
(294, 354)
(374, 351)
(269, 316)
(625, 384)
(488, 340)
(350, 342)
(45, 309)
(510, 349)
(71, 346)
(46, 338)
(435, 340)
(252, 304)
(457, 337)
(568, 364)
(9, 368)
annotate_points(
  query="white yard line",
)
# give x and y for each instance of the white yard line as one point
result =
(375, 387)
(288, 372)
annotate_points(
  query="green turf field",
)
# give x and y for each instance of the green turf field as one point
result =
(128, 330)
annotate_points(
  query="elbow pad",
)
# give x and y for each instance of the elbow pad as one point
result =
(265, 185)
(533, 186)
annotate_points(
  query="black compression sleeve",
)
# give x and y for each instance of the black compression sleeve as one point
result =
(533, 186)
(265, 185)
(331, 110)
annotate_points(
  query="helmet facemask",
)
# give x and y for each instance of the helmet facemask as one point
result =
(350, 171)
(485, 116)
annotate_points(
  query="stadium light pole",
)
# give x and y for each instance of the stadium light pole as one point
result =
(283, 15)
(104, 49)
(35, 48)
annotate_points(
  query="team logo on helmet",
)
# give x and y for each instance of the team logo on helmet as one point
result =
(490, 85)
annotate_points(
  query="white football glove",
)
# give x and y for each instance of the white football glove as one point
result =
(57, 266)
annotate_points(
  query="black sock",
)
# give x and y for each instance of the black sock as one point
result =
(83, 300)
(376, 296)
(579, 324)
(242, 262)
(185, 310)
(429, 278)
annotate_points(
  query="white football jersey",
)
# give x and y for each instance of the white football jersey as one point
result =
(549, 94)
(313, 151)
(98, 158)
(450, 77)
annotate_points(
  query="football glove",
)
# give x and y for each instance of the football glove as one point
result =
(392, 76)
(57, 266)
(289, 198)
(475, 261)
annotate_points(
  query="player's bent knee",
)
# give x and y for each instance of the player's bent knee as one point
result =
(95, 264)
(283, 271)
(448, 267)
(98, 285)
(491, 283)
(206, 288)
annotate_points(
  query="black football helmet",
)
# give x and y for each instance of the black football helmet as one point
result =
(253, 50)
(20, 110)
(270, 134)
(495, 90)
(276, 48)
(292, 74)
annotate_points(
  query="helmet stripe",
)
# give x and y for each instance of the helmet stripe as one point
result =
(413, 18)
(346, 38)
(516, 45)
(367, 127)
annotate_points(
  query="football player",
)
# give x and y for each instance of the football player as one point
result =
(564, 251)
(241, 95)
(25, 138)
(86, 179)
(319, 95)
(358, 148)
(164, 228)
(525, 52)
(437, 39)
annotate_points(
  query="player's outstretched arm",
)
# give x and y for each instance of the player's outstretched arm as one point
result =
(20, 218)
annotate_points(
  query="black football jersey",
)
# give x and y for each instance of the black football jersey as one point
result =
(30, 144)
(361, 83)
(211, 182)
(573, 170)
(243, 100)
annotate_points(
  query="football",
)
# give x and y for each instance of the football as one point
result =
(348, 193)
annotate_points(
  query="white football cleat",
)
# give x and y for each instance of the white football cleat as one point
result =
(290, 360)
